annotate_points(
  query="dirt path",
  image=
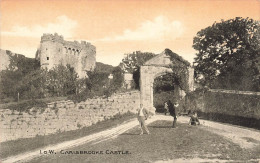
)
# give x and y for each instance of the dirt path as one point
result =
(97, 138)
(246, 138)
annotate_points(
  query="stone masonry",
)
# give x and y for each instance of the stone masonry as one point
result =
(54, 50)
(63, 116)
(153, 68)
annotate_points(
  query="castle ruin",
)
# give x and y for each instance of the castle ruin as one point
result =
(54, 50)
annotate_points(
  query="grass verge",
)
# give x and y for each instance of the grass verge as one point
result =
(15, 147)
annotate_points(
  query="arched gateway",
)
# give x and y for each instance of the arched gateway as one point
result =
(157, 66)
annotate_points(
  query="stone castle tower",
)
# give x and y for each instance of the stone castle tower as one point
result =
(54, 50)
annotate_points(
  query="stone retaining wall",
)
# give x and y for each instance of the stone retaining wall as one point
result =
(63, 116)
(228, 106)
(228, 102)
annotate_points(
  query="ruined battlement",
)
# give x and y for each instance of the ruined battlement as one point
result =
(54, 50)
(51, 37)
(59, 39)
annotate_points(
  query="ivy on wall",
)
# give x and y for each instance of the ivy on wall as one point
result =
(180, 70)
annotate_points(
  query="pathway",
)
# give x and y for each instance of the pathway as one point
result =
(246, 138)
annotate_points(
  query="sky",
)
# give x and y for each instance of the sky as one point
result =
(116, 27)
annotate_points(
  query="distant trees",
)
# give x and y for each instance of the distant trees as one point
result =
(11, 79)
(32, 85)
(60, 81)
(101, 67)
(96, 81)
(229, 54)
(118, 77)
(132, 62)
(25, 77)
(99, 83)
(164, 83)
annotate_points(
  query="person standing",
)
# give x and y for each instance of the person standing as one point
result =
(172, 110)
(143, 114)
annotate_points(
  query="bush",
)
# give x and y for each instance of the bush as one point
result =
(39, 83)
(232, 104)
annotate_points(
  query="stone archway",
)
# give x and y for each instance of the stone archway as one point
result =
(153, 68)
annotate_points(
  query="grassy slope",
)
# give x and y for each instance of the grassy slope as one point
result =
(101, 67)
(22, 145)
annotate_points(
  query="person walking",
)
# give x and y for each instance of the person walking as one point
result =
(143, 114)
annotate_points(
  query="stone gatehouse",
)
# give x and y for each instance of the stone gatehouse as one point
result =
(157, 66)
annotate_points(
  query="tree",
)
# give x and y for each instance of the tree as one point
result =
(97, 81)
(9, 83)
(62, 81)
(136, 77)
(179, 75)
(118, 77)
(11, 79)
(164, 83)
(229, 50)
(131, 62)
(33, 85)
(179, 68)
(22, 64)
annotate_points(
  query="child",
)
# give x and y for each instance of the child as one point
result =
(194, 120)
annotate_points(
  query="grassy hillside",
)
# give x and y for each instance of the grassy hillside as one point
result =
(101, 67)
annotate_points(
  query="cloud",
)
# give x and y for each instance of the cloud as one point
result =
(161, 28)
(62, 24)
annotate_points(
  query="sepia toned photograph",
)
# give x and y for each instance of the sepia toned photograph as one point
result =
(129, 81)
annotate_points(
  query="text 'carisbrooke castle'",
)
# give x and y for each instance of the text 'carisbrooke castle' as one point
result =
(54, 50)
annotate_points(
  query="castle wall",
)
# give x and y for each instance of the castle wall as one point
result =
(89, 62)
(50, 54)
(63, 116)
(54, 50)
